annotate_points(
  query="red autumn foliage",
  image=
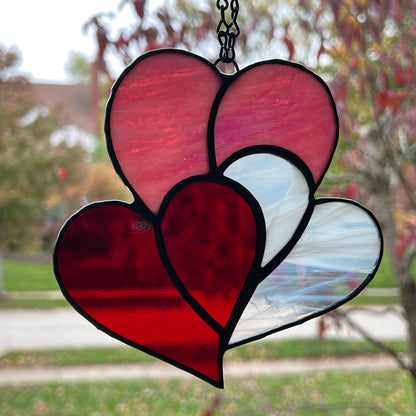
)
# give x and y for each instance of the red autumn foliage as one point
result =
(372, 47)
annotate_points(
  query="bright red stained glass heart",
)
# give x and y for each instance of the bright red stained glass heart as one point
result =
(110, 267)
(210, 235)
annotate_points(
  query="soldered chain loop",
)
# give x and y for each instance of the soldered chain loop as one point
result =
(227, 31)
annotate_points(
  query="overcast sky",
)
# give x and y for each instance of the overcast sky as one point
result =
(46, 30)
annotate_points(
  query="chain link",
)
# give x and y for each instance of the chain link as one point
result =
(227, 31)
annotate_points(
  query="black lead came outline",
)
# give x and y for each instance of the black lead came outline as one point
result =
(216, 174)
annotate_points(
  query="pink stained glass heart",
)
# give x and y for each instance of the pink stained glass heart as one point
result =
(282, 104)
(157, 121)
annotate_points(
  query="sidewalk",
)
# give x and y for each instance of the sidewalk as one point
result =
(35, 376)
(64, 328)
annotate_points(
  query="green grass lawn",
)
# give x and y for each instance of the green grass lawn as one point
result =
(33, 303)
(384, 276)
(362, 299)
(262, 350)
(28, 276)
(313, 394)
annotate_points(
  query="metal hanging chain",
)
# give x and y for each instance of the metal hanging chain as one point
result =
(227, 31)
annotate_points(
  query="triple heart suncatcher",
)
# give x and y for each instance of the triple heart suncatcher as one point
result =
(225, 242)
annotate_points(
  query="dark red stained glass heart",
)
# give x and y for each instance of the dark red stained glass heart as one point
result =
(210, 236)
(110, 267)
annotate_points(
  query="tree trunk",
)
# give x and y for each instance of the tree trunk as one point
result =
(2, 294)
(401, 268)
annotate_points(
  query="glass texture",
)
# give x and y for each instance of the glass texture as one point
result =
(159, 121)
(281, 105)
(210, 235)
(339, 249)
(280, 189)
(110, 266)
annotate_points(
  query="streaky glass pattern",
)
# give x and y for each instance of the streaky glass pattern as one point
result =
(159, 122)
(282, 192)
(337, 252)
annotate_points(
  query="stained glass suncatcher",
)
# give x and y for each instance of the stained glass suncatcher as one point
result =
(225, 241)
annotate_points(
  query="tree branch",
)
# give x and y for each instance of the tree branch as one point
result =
(379, 344)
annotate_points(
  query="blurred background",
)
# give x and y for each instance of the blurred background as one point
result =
(58, 61)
